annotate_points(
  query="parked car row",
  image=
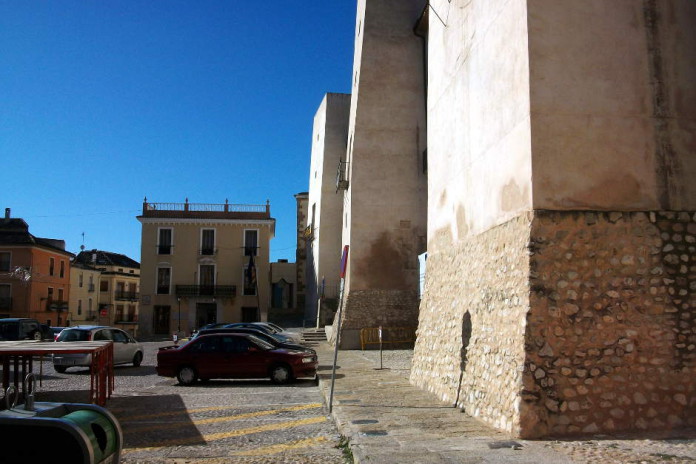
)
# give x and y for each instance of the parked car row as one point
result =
(240, 350)
(233, 355)
(220, 351)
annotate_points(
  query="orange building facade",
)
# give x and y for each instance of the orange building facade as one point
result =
(34, 274)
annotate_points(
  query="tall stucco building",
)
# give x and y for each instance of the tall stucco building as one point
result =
(561, 276)
(203, 263)
(300, 251)
(105, 290)
(327, 182)
(84, 294)
(384, 201)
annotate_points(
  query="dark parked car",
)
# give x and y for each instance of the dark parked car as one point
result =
(212, 325)
(22, 328)
(233, 356)
(273, 339)
(289, 337)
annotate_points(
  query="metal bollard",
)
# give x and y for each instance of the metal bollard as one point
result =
(29, 382)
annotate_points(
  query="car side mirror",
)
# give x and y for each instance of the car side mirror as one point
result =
(253, 349)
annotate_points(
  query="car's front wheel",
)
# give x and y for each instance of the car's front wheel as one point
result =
(37, 335)
(281, 374)
(60, 369)
(137, 359)
(187, 375)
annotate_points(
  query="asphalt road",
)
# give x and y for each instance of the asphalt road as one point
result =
(214, 422)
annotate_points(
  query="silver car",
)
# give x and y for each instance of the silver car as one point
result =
(126, 349)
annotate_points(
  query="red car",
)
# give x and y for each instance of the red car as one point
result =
(233, 356)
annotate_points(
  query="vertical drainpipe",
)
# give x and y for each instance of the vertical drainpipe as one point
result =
(420, 29)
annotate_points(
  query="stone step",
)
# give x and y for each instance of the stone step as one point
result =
(314, 335)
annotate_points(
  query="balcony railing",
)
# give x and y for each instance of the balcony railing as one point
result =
(342, 176)
(164, 249)
(207, 251)
(130, 296)
(218, 291)
(56, 305)
(6, 303)
(205, 207)
(163, 289)
(129, 318)
(217, 210)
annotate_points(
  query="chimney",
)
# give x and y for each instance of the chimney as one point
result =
(7, 214)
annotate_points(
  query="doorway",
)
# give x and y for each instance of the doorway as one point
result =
(160, 319)
(250, 314)
(206, 313)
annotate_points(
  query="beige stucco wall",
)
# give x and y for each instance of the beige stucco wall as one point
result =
(83, 293)
(385, 143)
(329, 139)
(538, 109)
(385, 204)
(479, 147)
(612, 92)
(229, 260)
(283, 270)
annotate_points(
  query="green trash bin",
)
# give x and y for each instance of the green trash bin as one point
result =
(69, 432)
(99, 430)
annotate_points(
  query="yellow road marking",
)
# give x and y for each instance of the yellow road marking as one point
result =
(233, 433)
(192, 411)
(279, 448)
(214, 420)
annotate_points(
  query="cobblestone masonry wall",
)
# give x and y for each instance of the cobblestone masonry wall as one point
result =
(581, 323)
(372, 308)
(486, 277)
(611, 337)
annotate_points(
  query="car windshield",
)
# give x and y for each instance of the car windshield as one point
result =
(260, 343)
(277, 327)
(73, 335)
(267, 327)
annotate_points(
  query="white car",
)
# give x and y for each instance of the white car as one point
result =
(126, 348)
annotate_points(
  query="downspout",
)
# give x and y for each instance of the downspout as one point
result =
(420, 29)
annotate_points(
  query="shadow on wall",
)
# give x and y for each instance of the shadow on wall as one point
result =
(466, 337)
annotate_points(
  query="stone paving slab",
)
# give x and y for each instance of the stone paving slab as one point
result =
(387, 420)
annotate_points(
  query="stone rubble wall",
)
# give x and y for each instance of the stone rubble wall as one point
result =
(486, 276)
(581, 323)
(611, 339)
(374, 308)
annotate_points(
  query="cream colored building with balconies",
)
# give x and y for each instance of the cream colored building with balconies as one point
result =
(203, 263)
(105, 290)
(84, 295)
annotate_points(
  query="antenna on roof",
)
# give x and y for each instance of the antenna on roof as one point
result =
(82, 247)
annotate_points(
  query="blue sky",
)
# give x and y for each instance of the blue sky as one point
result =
(105, 102)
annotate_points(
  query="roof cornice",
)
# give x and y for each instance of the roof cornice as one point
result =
(231, 222)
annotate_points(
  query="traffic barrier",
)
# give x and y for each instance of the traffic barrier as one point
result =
(390, 335)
